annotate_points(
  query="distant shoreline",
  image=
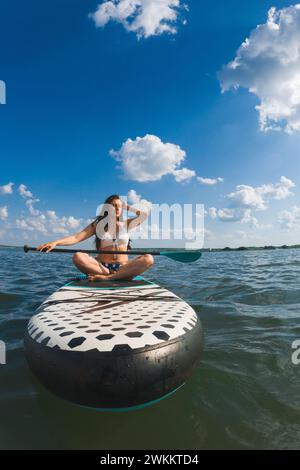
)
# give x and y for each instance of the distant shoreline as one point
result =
(204, 250)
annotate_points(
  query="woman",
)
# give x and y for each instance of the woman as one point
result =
(108, 266)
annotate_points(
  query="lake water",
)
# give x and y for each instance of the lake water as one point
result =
(244, 393)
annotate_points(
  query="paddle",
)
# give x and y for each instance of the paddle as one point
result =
(181, 256)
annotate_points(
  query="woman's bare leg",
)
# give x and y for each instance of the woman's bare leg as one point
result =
(88, 265)
(129, 270)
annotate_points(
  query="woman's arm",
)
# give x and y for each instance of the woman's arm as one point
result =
(87, 232)
(141, 216)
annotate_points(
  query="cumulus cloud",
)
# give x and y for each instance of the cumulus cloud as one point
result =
(183, 175)
(51, 214)
(33, 224)
(268, 65)
(290, 219)
(29, 203)
(24, 192)
(240, 214)
(46, 224)
(71, 222)
(143, 17)
(257, 198)
(7, 188)
(137, 200)
(149, 159)
(29, 200)
(212, 212)
(247, 199)
(209, 181)
(36, 222)
(3, 213)
(225, 215)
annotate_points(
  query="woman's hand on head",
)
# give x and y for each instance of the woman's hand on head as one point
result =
(46, 247)
(125, 206)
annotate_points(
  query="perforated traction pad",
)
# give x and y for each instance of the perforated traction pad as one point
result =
(79, 317)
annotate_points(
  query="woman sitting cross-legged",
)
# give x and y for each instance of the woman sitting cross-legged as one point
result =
(112, 236)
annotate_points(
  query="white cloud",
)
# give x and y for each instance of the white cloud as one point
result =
(225, 215)
(149, 159)
(21, 223)
(248, 218)
(144, 17)
(44, 222)
(3, 213)
(257, 198)
(209, 181)
(38, 223)
(47, 224)
(212, 212)
(7, 188)
(32, 224)
(51, 214)
(24, 192)
(268, 65)
(290, 219)
(29, 203)
(137, 200)
(248, 199)
(71, 222)
(184, 174)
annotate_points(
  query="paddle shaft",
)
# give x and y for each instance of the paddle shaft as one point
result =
(107, 252)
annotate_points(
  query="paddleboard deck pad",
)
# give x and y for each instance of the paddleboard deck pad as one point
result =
(114, 344)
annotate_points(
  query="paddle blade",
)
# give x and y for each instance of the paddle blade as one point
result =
(183, 256)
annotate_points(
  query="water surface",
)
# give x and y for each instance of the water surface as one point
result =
(244, 393)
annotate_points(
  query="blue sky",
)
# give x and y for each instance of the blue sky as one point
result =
(77, 89)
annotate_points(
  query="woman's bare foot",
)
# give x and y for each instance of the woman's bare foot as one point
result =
(98, 277)
(126, 272)
(107, 277)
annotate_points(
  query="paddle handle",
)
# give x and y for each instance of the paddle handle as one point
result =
(107, 252)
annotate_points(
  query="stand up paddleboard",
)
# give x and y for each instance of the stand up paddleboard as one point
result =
(113, 345)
